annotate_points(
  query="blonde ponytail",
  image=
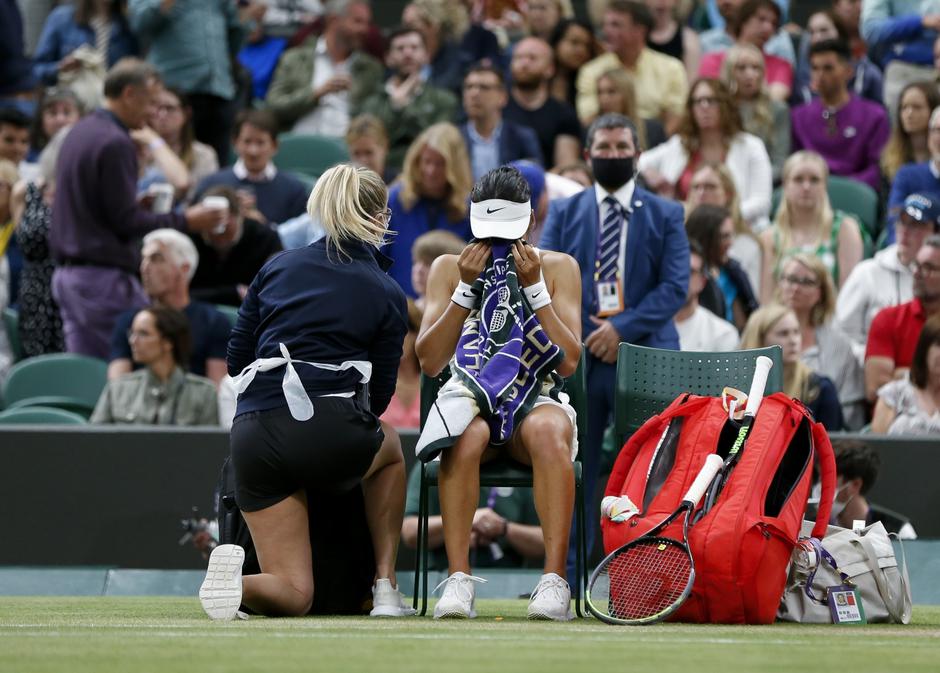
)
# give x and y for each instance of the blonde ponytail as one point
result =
(347, 201)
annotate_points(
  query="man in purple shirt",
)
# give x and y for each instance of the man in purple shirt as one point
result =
(848, 131)
(97, 222)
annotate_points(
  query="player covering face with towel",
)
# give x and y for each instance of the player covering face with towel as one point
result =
(506, 319)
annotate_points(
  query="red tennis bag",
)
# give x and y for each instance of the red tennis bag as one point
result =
(741, 547)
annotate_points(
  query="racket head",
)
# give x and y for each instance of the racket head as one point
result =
(642, 582)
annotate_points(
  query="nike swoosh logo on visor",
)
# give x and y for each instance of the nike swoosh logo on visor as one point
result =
(495, 210)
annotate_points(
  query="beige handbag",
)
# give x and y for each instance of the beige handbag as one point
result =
(864, 559)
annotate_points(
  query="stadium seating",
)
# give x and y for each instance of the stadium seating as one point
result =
(230, 312)
(308, 154)
(501, 472)
(40, 416)
(648, 379)
(11, 323)
(62, 380)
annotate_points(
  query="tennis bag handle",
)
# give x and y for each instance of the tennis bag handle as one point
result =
(684, 405)
(827, 476)
(899, 607)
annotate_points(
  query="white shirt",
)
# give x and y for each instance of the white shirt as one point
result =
(624, 197)
(331, 115)
(705, 331)
(872, 285)
(241, 172)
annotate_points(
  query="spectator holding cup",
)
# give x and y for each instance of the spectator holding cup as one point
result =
(97, 221)
(231, 253)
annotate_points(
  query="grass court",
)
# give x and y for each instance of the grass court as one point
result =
(170, 635)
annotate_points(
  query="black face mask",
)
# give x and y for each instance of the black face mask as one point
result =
(612, 174)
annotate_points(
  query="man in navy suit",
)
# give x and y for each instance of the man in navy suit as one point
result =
(492, 140)
(634, 258)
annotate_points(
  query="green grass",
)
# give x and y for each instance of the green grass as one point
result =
(168, 635)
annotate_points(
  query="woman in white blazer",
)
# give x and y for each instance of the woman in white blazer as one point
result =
(711, 131)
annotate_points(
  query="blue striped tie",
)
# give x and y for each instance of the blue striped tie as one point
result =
(608, 249)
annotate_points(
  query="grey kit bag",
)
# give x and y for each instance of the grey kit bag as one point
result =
(862, 558)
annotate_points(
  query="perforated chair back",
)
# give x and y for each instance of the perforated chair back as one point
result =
(63, 380)
(648, 379)
(309, 154)
(40, 416)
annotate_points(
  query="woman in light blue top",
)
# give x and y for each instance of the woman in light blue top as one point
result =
(99, 24)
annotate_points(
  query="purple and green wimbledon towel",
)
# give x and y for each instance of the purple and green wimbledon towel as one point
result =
(503, 361)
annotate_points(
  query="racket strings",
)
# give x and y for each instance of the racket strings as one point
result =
(646, 579)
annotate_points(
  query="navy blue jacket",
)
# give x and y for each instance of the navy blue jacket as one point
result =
(324, 308)
(515, 142)
(15, 68)
(910, 179)
(656, 277)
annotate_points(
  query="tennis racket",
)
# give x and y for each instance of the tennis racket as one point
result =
(754, 398)
(646, 580)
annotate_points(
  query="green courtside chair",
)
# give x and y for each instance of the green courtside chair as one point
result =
(649, 379)
(309, 154)
(11, 323)
(230, 312)
(501, 472)
(62, 380)
(40, 416)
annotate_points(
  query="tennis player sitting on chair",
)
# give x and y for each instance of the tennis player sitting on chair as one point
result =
(506, 318)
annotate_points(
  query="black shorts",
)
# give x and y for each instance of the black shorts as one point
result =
(275, 455)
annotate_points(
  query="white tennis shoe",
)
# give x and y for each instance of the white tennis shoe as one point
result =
(387, 601)
(221, 591)
(551, 599)
(457, 600)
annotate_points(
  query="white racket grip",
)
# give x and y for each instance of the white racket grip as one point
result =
(758, 383)
(712, 464)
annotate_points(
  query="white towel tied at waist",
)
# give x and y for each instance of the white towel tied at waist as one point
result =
(298, 401)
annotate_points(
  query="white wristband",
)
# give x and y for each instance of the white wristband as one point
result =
(537, 295)
(156, 144)
(464, 296)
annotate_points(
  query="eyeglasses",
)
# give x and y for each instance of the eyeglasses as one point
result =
(168, 109)
(800, 281)
(924, 269)
(704, 101)
(131, 335)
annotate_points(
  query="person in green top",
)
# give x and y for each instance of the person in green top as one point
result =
(806, 223)
(161, 393)
(193, 45)
(505, 533)
(408, 104)
(319, 85)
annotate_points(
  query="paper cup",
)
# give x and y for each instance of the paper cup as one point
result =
(162, 198)
(219, 203)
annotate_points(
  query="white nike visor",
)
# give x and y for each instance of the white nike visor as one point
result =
(496, 218)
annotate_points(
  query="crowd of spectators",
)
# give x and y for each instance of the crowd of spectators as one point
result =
(138, 169)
